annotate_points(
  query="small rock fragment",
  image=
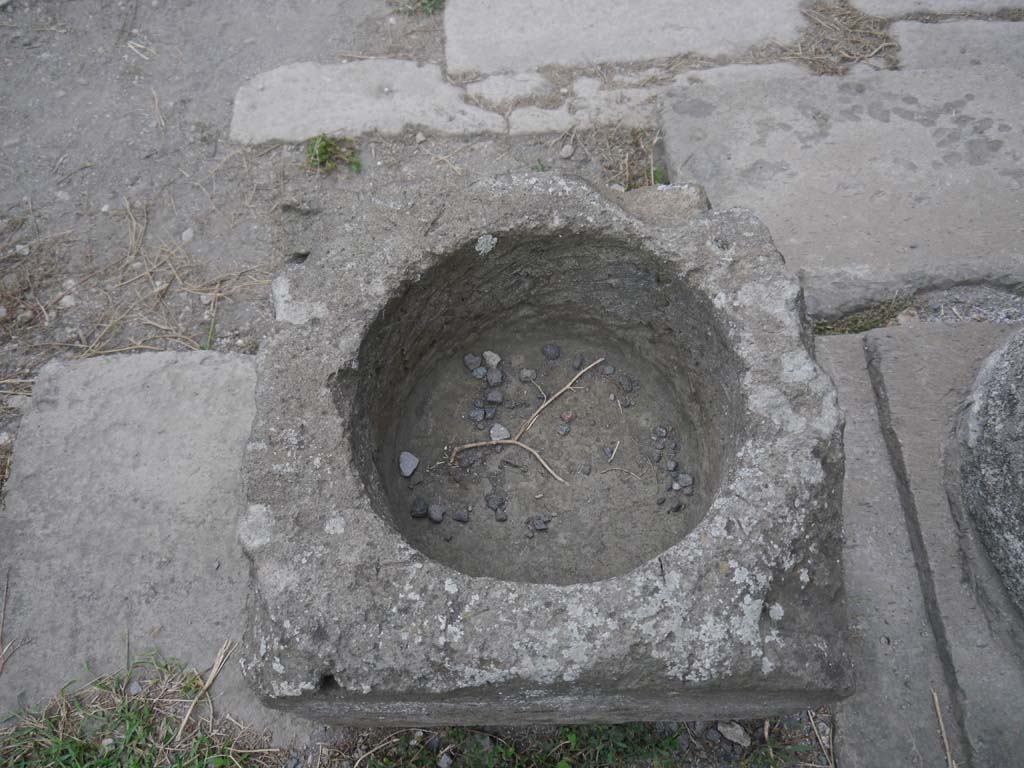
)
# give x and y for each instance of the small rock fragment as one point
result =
(712, 735)
(480, 372)
(660, 500)
(419, 507)
(563, 429)
(685, 480)
(567, 416)
(472, 361)
(660, 432)
(188, 235)
(500, 432)
(577, 361)
(527, 375)
(490, 412)
(461, 515)
(734, 732)
(607, 370)
(494, 377)
(444, 761)
(494, 501)
(436, 513)
(671, 466)
(476, 414)
(500, 515)
(608, 452)
(586, 469)
(539, 524)
(407, 463)
(492, 359)
(551, 351)
(566, 151)
(420, 138)
(495, 396)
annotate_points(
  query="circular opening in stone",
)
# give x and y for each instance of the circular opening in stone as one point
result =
(642, 440)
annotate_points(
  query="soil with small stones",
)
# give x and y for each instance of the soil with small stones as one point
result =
(611, 438)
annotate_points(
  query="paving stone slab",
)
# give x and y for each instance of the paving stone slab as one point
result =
(486, 36)
(870, 184)
(921, 374)
(900, 7)
(890, 719)
(969, 43)
(119, 524)
(297, 101)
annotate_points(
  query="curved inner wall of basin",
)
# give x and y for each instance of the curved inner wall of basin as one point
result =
(601, 298)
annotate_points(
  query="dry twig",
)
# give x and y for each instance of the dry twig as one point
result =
(218, 664)
(950, 762)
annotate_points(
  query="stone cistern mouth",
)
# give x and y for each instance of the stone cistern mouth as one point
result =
(622, 466)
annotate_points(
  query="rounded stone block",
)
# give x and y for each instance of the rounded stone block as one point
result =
(669, 545)
(991, 453)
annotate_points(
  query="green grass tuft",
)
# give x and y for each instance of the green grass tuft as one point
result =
(324, 153)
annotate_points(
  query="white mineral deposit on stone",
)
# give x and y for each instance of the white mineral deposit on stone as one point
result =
(485, 244)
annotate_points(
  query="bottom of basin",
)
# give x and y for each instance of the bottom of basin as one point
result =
(609, 517)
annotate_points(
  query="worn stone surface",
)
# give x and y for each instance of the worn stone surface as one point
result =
(120, 525)
(899, 7)
(350, 624)
(298, 101)
(889, 719)
(992, 462)
(500, 90)
(921, 374)
(964, 43)
(491, 36)
(870, 184)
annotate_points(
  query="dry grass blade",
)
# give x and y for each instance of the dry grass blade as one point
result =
(218, 664)
(950, 762)
(549, 400)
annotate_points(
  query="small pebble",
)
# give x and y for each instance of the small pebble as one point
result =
(660, 443)
(660, 500)
(407, 463)
(494, 501)
(490, 412)
(492, 359)
(712, 735)
(494, 377)
(461, 515)
(676, 486)
(685, 480)
(577, 362)
(660, 432)
(472, 361)
(566, 151)
(500, 515)
(586, 469)
(500, 432)
(540, 524)
(188, 235)
(527, 375)
(480, 372)
(478, 403)
(607, 370)
(436, 513)
(672, 466)
(477, 415)
(677, 507)
(495, 396)
(627, 384)
(608, 452)
(419, 507)
(551, 351)
(444, 761)
(564, 429)
(567, 416)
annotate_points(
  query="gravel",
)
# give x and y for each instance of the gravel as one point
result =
(494, 377)
(495, 397)
(577, 361)
(734, 732)
(551, 351)
(492, 359)
(436, 513)
(500, 515)
(586, 469)
(566, 151)
(564, 429)
(607, 370)
(461, 515)
(419, 507)
(407, 463)
(527, 375)
(495, 501)
(480, 372)
(660, 432)
(500, 432)
(672, 466)
(476, 414)
(567, 416)
(472, 361)
(685, 480)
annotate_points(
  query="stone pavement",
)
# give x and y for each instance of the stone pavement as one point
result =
(119, 525)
